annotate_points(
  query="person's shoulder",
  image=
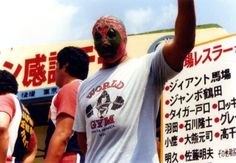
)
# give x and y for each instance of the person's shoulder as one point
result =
(7, 103)
(71, 85)
(91, 77)
(7, 97)
(89, 82)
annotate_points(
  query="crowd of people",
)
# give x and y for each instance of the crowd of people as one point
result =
(109, 116)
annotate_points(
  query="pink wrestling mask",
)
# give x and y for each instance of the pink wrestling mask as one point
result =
(110, 39)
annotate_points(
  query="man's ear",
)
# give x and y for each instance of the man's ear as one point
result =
(65, 67)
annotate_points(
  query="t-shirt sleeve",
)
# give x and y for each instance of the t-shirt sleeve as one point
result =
(7, 105)
(160, 71)
(32, 142)
(65, 101)
(79, 121)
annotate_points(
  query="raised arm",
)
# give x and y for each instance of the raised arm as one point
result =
(183, 42)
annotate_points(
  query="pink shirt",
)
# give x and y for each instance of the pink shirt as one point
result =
(65, 101)
(7, 104)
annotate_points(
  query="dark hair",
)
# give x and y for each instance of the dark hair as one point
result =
(8, 83)
(77, 60)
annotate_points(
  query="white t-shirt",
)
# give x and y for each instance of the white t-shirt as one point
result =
(118, 108)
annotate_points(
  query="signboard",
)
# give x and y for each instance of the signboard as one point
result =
(34, 67)
(199, 106)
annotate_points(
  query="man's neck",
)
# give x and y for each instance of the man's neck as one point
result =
(110, 65)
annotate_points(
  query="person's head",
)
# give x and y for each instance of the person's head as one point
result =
(74, 61)
(110, 39)
(8, 83)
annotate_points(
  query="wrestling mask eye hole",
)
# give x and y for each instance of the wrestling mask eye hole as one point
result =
(111, 33)
(97, 36)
